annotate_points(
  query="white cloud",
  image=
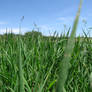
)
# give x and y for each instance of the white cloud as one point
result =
(14, 30)
(66, 19)
(47, 29)
(62, 18)
(70, 20)
(2, 23)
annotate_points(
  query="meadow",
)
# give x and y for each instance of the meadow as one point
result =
(36, 63)
(41, 57)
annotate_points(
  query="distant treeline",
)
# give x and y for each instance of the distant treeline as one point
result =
(35, 34)
(32, 34)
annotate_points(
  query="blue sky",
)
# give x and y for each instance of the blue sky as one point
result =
(48, 15)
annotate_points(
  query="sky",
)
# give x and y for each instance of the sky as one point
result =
(47, 16)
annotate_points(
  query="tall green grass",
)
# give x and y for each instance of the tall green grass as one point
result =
(65, 64)
(35, 63)
(41, 57)
(20, 70)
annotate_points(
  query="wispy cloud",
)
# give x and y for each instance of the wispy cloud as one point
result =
(3, 23)
(46, 29)
(14, 30)
(66, 20)
(69, 20)
(49, 30)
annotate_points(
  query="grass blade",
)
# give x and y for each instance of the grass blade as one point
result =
(20, 74)
(65, 64)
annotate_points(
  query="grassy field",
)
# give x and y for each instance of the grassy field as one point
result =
(41, 57)
(36, 63)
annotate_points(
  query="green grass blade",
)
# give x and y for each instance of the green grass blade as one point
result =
(20, 74)
(28, 88)
(41, 88)
(51, 84)
(65, 64)
(11, 90)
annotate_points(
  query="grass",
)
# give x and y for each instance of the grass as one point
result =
(35, 63)
(65, 64)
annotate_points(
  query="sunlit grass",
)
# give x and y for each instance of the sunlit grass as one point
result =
(35, 63)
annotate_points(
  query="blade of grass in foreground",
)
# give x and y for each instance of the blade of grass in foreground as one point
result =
(65, 64)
